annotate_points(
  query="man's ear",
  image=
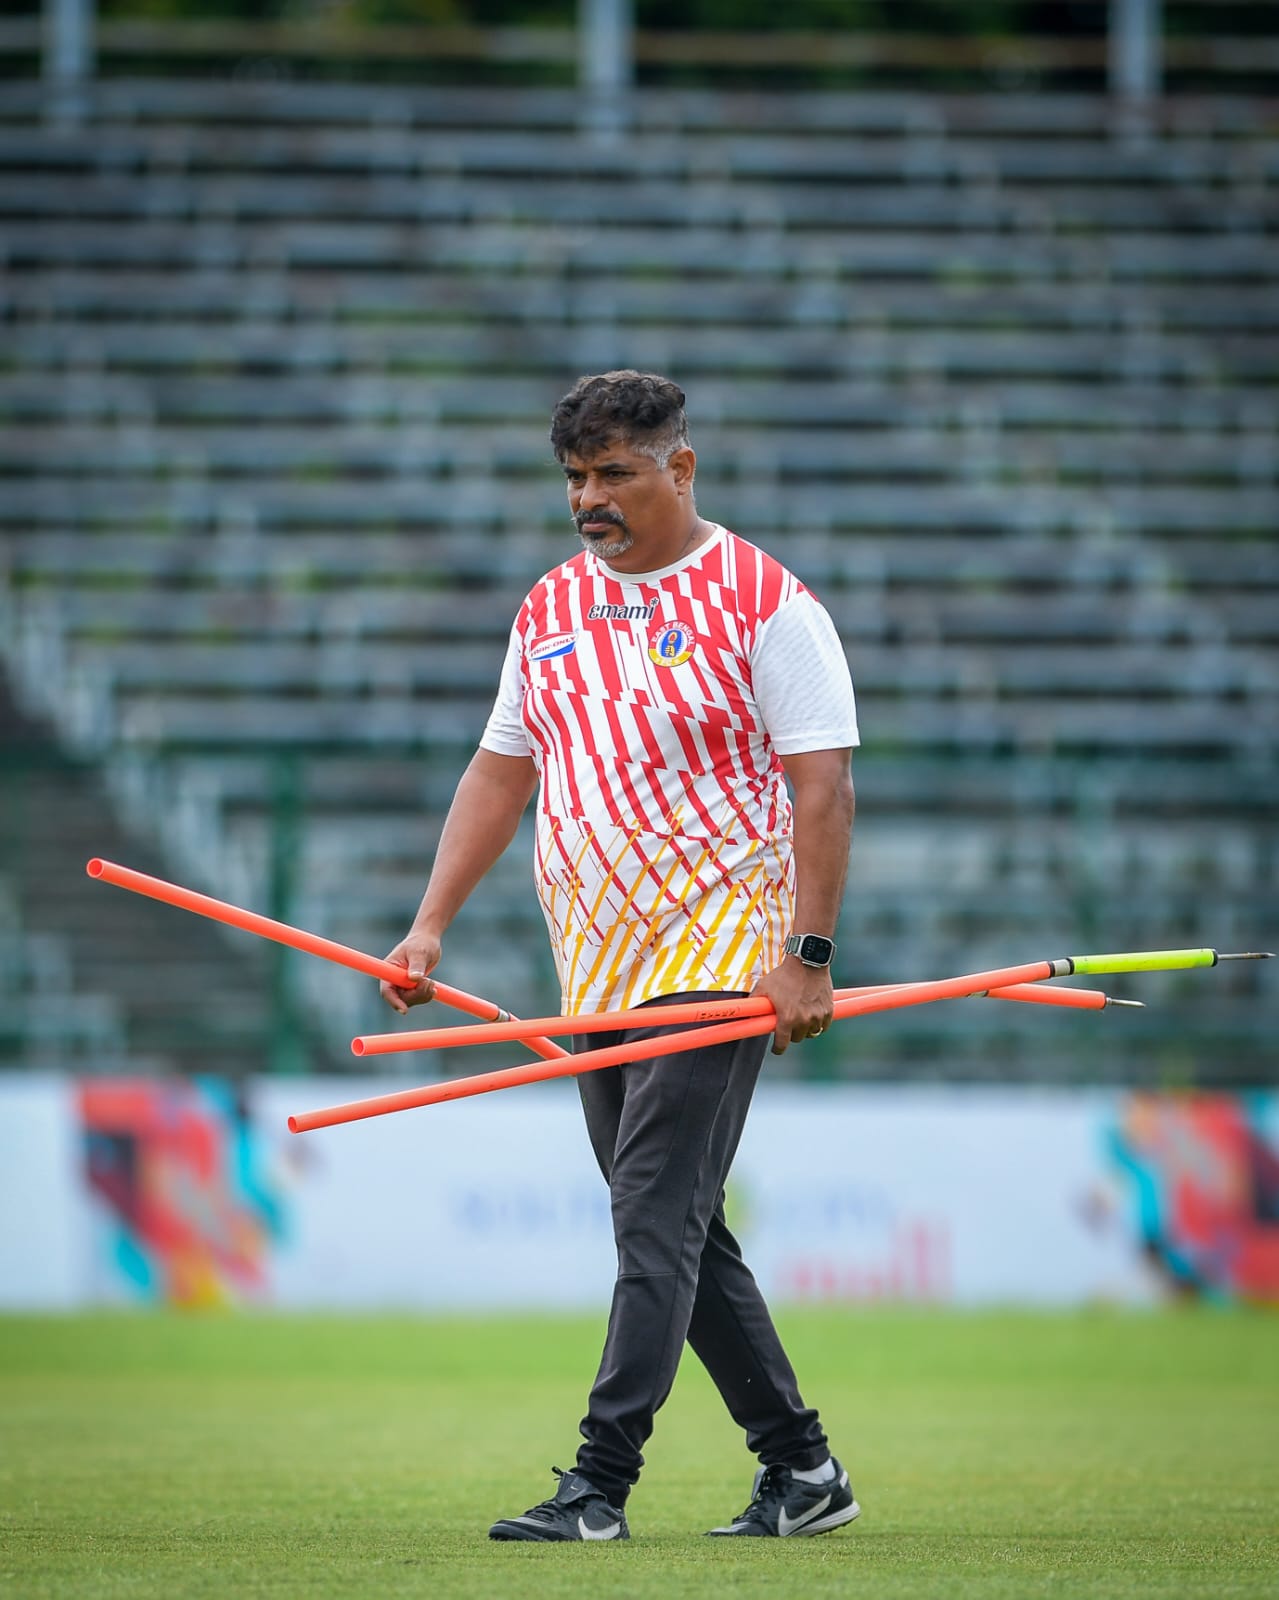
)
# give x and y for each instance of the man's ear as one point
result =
(683, 466)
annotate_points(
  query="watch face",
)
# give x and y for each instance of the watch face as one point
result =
(816, 950)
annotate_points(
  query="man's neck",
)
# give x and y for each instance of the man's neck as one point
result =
(697, 535)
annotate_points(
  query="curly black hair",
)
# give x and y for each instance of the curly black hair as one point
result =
(639, 409)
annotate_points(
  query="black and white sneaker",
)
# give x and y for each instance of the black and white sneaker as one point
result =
(578, 1511)
(782, 1506)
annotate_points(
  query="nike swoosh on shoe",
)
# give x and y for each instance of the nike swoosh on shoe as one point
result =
(611, 1532)
(785, 1526)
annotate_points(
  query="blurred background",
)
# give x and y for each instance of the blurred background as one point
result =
(977, 309)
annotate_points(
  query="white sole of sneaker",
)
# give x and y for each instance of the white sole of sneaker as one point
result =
(836, 1519)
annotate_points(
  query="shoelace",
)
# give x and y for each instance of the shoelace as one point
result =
(543, 1511)
(770, 1492)
(546, 1510)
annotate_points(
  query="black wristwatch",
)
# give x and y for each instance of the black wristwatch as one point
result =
(813, 949)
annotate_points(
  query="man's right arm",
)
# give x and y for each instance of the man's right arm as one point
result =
(486, 811)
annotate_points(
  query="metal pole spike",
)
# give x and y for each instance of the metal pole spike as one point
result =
(1247, 955)
(1139, 1004)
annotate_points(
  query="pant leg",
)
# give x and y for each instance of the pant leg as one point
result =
(733, 1335)
(665, 1131)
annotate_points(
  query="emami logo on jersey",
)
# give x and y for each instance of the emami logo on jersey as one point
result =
(552, 644)
(636, 613)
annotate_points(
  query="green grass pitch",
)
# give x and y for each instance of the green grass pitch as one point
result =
(1089, 1454)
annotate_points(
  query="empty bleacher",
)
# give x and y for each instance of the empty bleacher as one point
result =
(995, 373)
(99, 979)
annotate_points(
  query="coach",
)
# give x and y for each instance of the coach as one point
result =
(663, 690)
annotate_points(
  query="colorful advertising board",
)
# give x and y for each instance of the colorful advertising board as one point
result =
(135, 1191)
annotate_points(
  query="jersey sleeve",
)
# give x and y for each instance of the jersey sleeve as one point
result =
(504, 733)
(802, 684)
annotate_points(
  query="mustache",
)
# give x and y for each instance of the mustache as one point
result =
(611, 517)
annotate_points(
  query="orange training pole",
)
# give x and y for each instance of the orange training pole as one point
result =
(617, 1055)
(204, 905)
(693, 1011)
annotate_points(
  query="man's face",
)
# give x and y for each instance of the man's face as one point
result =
(628, 511)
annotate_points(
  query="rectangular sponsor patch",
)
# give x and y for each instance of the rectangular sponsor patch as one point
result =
(552, 644)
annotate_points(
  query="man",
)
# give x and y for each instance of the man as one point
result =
(661, 690)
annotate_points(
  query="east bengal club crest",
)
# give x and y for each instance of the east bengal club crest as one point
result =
(671, 643)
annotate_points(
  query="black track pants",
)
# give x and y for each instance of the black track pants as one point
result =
(665, 1131)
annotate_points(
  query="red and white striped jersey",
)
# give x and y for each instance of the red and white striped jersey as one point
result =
(656, 707)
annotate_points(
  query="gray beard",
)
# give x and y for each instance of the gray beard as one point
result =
(606, 547)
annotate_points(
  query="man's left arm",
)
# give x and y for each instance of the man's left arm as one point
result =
(821, 785)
